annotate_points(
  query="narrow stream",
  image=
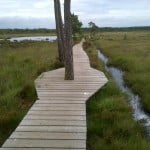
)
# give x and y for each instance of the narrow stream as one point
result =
(134, 100)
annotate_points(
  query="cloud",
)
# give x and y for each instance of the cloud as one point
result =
(28, 22)
(40, 13)
(43, 4)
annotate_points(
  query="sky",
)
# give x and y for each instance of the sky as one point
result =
(105, 13)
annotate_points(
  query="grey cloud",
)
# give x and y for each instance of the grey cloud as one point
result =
(40, 13)
(29, 22)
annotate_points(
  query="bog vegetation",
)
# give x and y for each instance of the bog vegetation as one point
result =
(20, 64)
(131, 52)
(109, 115)
(110, 122)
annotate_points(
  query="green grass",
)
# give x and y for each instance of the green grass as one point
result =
(131, 52)
(20, 65)
(109, 117)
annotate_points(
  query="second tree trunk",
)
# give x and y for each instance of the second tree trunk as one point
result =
(69, 70)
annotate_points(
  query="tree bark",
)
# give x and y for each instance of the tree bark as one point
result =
(69, 70)
(59, 29)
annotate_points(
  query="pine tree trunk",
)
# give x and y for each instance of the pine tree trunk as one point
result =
(59, 29)
(69, 70)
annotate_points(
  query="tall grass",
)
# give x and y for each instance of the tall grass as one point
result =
(133, 56)
(20, 64)
(109, 117)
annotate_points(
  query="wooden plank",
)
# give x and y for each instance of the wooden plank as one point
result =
(78, 81)
(56, 94)
(59, 102)
(50, 117)
(81, 95)
(45, 143)
(85, 95)
(58, 113)
(79, 78)
(48, 136)
(39, 149)
(76, 87)
(57, 129)
(58, 108)
(66, 89)
(58, 105)
(63, 98)
(53, 123)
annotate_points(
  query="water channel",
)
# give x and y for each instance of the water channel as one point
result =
(134, 100)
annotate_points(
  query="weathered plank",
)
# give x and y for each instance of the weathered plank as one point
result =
(28, 143)
(53, 123)
(48, 136)
(40, 149)
(59, 102)
(51, 129)
(59, 108)
(54, 117)
(58, 113)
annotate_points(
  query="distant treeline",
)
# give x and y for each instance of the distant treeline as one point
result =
(121, 29)
(17, 31)
(43, 30)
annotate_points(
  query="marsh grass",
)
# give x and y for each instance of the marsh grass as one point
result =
(133, 56)
(20, 64)
(109, 117)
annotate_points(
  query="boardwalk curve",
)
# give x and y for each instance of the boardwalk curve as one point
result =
(57, 120)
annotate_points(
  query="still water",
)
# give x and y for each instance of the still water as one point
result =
(134, 100)
(36, 38)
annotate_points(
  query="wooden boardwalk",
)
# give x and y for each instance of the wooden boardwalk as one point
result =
(57, 121)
